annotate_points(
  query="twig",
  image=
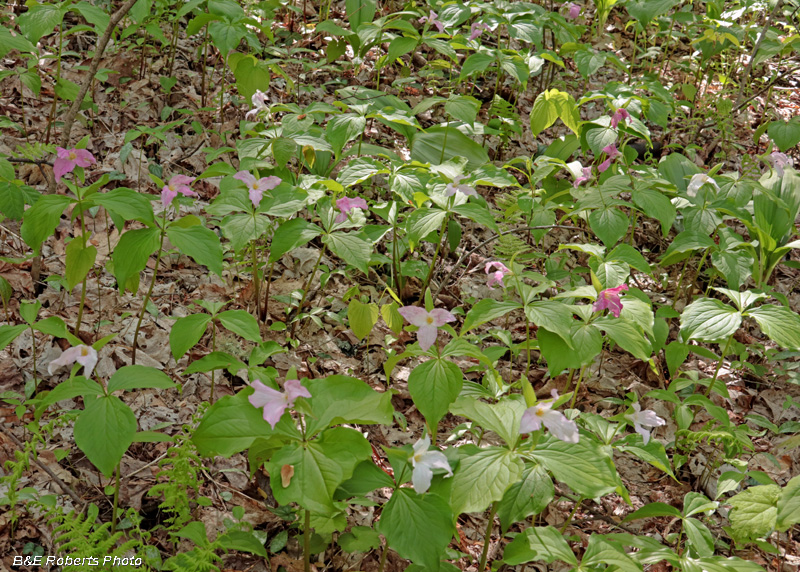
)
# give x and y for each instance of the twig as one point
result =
(749, 67)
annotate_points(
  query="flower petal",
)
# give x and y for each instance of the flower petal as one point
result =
(415, 315)
(421, 478)
(426, 336)
(294, 389)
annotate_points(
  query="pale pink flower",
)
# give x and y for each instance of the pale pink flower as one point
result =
(476, 29)
(276, 402)
(451, 188)
(68, 159)
(432, 20)
(574, 10)
(177, 184)
(427, 322)
(609, 299)
(611, 151)
(780, 161)
(496, 272)
(84, 355)
(543, 414)
(620, 115)
(346, 204)
(424, 462)
(259, 101)
(256, 187)
(587, 175)
(642, 419)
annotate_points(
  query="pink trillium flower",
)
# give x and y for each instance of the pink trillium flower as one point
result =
(620, 115)
(574, 10)
(476, 29)
(346, 204)
(68, 159)
(427, 322)
(611, 151)
(780, 161)
(276, 402)
(642, 419)
(259, 101)
(496, 271)
(256, 187)
(587, 174)
(543, 414)
(609, 299)
(177, 184)
(84, 355)
(698, 181)
(432, 20)
(451, 188)
(424, 462)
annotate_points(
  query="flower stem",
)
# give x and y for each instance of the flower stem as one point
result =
(116, 502)
(213, 349)
(256, 279)
(306, 287)
(719, 365)
(384, 553)
(569, 518)
(577, 388)
(150, 289)
(307, 543)
(487, 537)
(436, 254)
(265, 315)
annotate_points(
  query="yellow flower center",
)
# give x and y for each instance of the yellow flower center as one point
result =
(73, 156)
(84, 351)
(429, 319)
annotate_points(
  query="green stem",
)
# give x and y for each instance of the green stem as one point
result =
(256, 277)
(150, 289)
(487, 537)
(266, 293)
(577, 388)
(528, 346)
(116, 502)
(384, 553)
(306, 287)
(307, 543)
(719, 365)
(569, 518)
(436, 254)
(680, 283)
(213, 349)
(33, 348)
(444, 145)
(83, 282)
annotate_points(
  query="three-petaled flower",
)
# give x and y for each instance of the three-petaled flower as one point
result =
(780, 161)
(433, 20)
(476, 29)
(256, 187)
(611, 151)
(68, 159)
(642, 419)
(451, 188)
(84, 355)
(620, 115)
(609, 299)
(177, 184)
(573, 10)
(346, 204)
(427, 322)
(543, 414)
(496, 272)
(585, 176)
(698, 181)
(259, 101)
(276, 402)
(424, 462)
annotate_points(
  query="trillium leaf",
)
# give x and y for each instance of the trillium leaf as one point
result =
(139, 377)
(200, 243)
(433, 386)
(755, 512)
(584, 466)
(779, 323)
(529, 496)
(539, 543)
(186, 332)
(483, 478)
(108, 416)
(709, 320)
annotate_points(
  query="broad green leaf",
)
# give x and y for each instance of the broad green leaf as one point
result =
(200, 243)
(359, 539)
(79, 261)
(482, 478)
(215, 360)
(503, 417)
(529, 496)
(423, 222)
(241, 323)
(352, 247)
(485, 311)
(779, 323)
(755, 512)
(551, 105)
(626, 253)
(230, 426)
(643, 11)
(539, 543)
(290, 235)
(360, 170)
(359, 12)
(139, 377)
(41, 20)
(109, 417)
(10, 42)
(341, 399)
(463, 108)
(709, 320)
(186, 332)
(242, 228)
(786, 134)
(55, 326)
(600, 552)
(68, 389)
(478, 213)
(132, 252)
(40, 221)
(609, 224)
(98, 17)
(226, 35)
(627, 335)
(654, 509)
(243, 542)
(362, 317)
(250, 76)
(589, 61)
(418, 527)
(587, 342)
(584, 466)
(655, 205)
(126, 203)
(476, 63)
(433, 386)
(319, 468)
(554, 316)
(427, 147)
(344, 128)
(10, 333)
(698, 537)
(789, 505)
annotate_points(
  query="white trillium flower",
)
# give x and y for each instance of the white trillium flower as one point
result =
(698, 181)
(424, 462)
(84, 355)
(558, 424)
(642, 419)
(780, 161)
